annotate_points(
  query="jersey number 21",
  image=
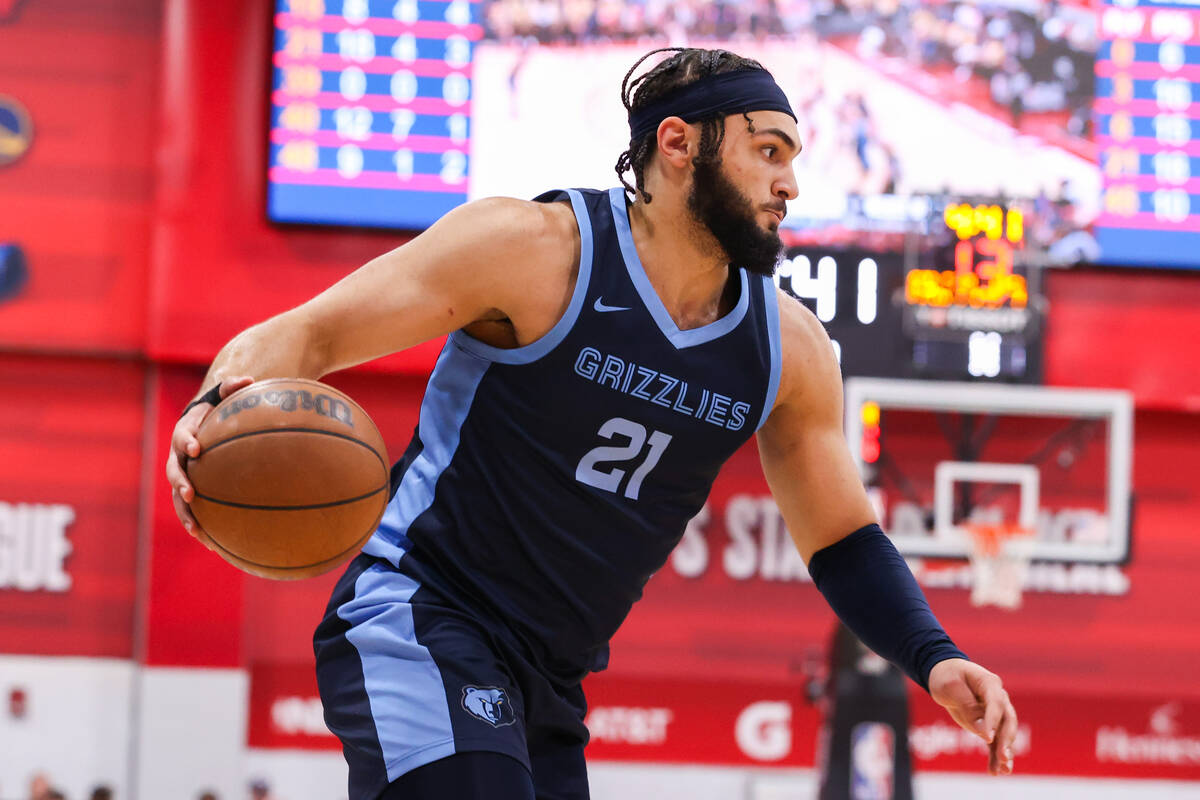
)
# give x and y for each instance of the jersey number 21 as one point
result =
(590, 472)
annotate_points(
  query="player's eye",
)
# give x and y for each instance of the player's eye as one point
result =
(770, 150)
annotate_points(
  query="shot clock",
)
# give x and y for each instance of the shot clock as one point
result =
(968, 310)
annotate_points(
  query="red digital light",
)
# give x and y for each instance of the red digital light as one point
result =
(869, 447)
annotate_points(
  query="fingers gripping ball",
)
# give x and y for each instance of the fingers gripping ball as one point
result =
(291, 480)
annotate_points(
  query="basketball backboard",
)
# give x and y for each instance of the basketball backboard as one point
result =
(934, 455)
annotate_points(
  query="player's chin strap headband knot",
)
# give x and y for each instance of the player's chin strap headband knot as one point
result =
(714, 95)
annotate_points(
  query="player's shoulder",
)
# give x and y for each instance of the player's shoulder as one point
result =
(801, 334)
(533, 226)
(809, 363)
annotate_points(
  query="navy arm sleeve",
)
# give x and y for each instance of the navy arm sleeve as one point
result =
(872, 590)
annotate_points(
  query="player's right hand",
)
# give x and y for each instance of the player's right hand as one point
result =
(185, 445)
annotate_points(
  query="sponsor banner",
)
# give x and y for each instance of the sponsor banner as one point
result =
(69, 487)
(763, 724)
(1063, 734)
(698, 721)
(285, 711)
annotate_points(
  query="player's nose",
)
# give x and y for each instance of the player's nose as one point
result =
(786, 186)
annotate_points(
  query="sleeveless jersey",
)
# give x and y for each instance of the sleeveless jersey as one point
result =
(545, 484)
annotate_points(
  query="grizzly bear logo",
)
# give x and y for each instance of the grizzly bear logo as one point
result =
(489, 704)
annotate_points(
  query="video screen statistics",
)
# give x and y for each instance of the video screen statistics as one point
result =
(388, 114)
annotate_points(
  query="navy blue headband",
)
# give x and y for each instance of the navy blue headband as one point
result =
(714, 95)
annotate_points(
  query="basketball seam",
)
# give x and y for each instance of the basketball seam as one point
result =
(235, 437)
(310, 507)
(357, 545)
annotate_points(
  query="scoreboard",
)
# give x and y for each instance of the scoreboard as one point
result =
(971, 310)
(1146, 119)
(371, 111)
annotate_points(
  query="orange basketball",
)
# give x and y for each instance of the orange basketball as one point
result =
(291, 480)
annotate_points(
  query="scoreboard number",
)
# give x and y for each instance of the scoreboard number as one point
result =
(1173, 93)
(456, 124)
(356, 11)
(302, 42)
(456, 89)
(1173, 129)
(457, 51)
(404, 86)
(352, 83)
(868, 290)
(454, 166)
(1172, 205)
(354, 122)
(402, 122)
(307, 9)
(356, 45)
(405, 48)
(458, 12)
(403, 159)
(1171, 56)
(349, 161)
(300, 117)
(821, 288)
(406, 11)
(1172, 166)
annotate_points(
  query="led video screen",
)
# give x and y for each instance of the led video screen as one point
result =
(388, 114)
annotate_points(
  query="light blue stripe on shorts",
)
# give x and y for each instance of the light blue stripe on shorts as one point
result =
(403, 684)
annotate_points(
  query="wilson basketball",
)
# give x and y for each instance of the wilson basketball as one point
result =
(291, 480)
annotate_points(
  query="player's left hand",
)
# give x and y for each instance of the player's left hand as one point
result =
(977, 701)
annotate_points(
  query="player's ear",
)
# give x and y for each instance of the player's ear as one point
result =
(677, 141)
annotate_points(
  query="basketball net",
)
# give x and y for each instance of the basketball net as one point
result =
(1000, 555)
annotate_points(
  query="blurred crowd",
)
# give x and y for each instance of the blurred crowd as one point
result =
(1033, 57)
(578, 21)
(41, 787)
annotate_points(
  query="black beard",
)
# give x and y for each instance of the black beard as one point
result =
(721, 207)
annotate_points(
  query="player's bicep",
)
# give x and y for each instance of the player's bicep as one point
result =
(456, 272)
(802, 445)
(814, 482)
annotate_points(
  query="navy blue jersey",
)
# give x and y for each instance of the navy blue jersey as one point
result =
(546, 484)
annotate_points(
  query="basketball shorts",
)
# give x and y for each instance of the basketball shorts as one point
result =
(408, 677)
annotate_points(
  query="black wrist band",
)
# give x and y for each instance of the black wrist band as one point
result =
(865, 580)
(212, 397)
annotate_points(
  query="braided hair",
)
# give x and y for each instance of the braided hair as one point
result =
(686, 66)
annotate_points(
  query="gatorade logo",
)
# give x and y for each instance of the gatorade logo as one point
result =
(16, 130)
(764, 730)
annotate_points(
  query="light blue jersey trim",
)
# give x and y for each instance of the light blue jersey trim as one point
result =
(637, 273)
(535, 350)
(771, 304)
(402, 681)
(447, 402)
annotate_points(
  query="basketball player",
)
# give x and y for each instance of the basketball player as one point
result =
(605, 357)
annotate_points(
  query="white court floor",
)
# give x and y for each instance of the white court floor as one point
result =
(321, 776)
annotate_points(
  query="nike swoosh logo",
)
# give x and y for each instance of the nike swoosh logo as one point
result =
(599, 306)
